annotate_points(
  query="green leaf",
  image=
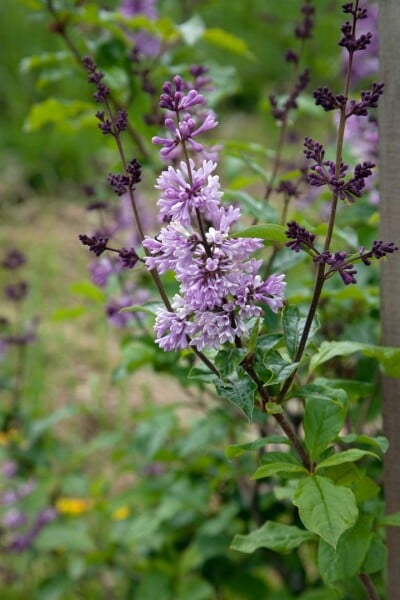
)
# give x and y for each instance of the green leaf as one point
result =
(375, 560)
(278, 467)
(240, 392)
(268, 341)
(389, 358)
(68, 115)
(65, 314)
(351, 455)
(324, 508)
(88, 290)
(392, 520)
(227, 41)
(236, 450)
(293, 327)
(228, 359)
(278, 462)
(323, 419)
(274, 536)
(278, 369)
(268, 233)
(273, 408)
(192, 30)
(202, 374)
(346, 559)
(46, 59)
(379, 441)
(72, 537)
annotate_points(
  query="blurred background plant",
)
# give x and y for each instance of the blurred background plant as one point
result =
(131, 491)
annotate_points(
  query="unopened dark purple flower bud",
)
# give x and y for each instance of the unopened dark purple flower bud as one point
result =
(303, 30)
(351, 43)
(299, 237)
(134, 169)
(17, 291)
(13, 260)
(129, 257)
(96, 243)
(118, 182)
(369, 99)
(98, 205)
(329, 101)
(314, 150)
(291, 56)
(121, 120)
(288, 188)
(381, 249)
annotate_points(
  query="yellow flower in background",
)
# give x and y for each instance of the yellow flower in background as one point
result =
(73, 506)
(6, 437)
(121, 513)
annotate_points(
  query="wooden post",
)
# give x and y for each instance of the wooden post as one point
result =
(389, 147)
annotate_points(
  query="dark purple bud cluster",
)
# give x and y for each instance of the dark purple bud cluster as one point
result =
(314, 150)
(379, 250)
(97, 243)
(369, 99)
(325, 172)
(288, 188)
(358, 13)
(304, 29)
(299, 237)
(113, 126)
(96, 77)
(202, 81)
(291, 56)
(329, 101)
(17, 291)
(120, 183)
(129, 257)
(13, 260)
(280, 112)
(337, 263)
(352, 43)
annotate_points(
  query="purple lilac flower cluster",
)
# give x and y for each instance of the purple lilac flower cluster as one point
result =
(184, 120)
(18, 532)
(219, 285)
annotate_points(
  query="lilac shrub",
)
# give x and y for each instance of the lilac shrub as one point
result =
(225, 295)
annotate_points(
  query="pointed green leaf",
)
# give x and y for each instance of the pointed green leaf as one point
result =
(277, 369)
(268, 233)
(379, 441)
(228, 359)
(293, 327)
(274, 536)
(227, 41)
(324, 508)
(392, 520)
(240, 392)
(389, 358)
(278, 462)
(238, 449)
(351, 455)
(192, 30)
(323, 419)
(375, 560)
(346, 559)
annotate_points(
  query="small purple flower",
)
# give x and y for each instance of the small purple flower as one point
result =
(13, 518)
(101, 270)
(16, 291)
(113, 311)
(14, 259)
